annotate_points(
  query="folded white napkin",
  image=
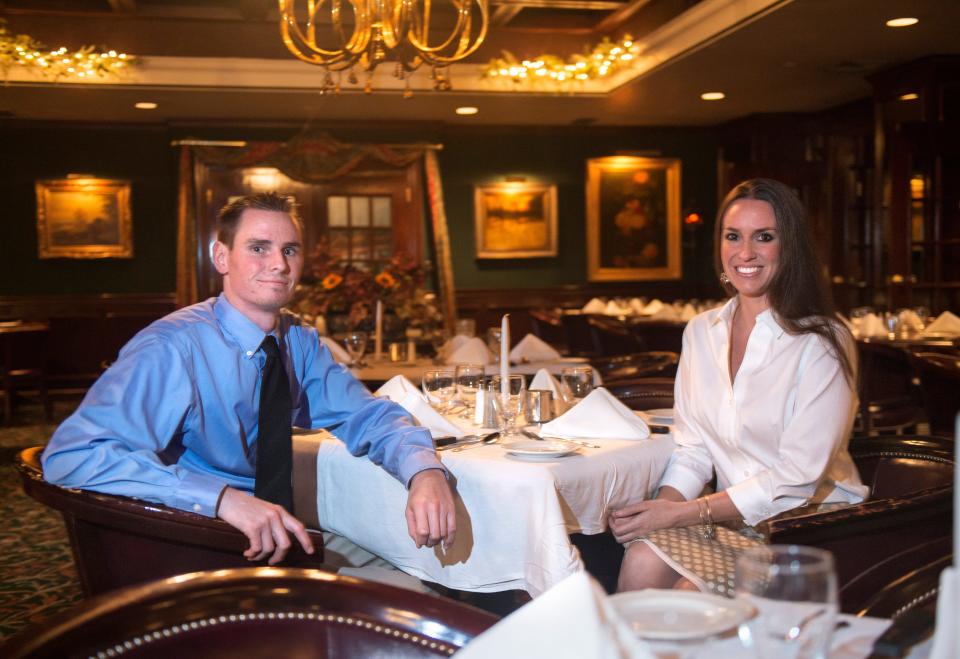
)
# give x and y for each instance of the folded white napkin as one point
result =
(572, 619)
(598, 416)
(666, 312)
(595, 305)
(396, 389)
(946, 323)
(637, 305)
(400, 390)
(543, 379)
(532, 349)
(614, 309)
(872, 326)
(339, 353)
(688, 312)
(946, 636)
(653, 307)
(471, 351)
(909, 320)
(452, 345)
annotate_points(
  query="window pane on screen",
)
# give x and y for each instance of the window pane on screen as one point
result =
(381, 211)
(337, 211)
(359, 212)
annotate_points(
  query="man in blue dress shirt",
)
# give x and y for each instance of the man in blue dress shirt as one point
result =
(174, 419)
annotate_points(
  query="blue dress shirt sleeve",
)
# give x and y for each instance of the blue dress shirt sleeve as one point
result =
(333, 398)
(115, 441)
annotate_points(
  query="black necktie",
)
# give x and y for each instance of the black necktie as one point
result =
(274, 441)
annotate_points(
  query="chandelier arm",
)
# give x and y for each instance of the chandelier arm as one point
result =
(304, 45)
(461, 30)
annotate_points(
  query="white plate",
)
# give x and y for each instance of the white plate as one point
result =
(672, 615)
(662, 416)
(542, 448)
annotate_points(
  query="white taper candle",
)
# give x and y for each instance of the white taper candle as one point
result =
(505, 354)
(378, 333)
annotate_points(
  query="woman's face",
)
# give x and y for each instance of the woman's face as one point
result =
(750, 246)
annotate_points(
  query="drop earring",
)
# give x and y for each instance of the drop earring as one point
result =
(724, 279)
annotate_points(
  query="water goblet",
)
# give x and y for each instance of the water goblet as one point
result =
(467, 327)
(438, 339)
(356, 345)
(508, 401)
(439, 387)
(469, 379)
(794, 592)
(575, 383)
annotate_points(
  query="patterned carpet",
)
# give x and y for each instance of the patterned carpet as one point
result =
(37, 578)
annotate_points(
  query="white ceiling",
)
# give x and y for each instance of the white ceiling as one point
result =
(766, 55)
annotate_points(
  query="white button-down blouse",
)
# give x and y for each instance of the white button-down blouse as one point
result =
(778, 435)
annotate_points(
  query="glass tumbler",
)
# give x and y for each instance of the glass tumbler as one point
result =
(794, 592)
(575, 383)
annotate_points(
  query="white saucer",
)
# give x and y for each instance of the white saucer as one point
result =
(673, 615)
(540, 448)
(663, 416)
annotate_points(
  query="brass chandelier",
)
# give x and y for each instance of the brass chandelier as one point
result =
(364, 33)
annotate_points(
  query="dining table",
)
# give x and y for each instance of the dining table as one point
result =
(515, 513)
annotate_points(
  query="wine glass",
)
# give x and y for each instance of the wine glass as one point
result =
(469, 379)
(356, 345)
(508, 401)
(575, 383)
(439, 387)
(794, 592)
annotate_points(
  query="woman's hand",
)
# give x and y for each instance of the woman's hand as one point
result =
(639, 519)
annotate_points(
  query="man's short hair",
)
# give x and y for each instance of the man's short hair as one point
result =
(229, 216)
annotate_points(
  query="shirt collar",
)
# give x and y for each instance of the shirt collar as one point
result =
(767, 317)
(243, 330)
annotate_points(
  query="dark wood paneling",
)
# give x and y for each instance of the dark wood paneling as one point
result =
(104, 305)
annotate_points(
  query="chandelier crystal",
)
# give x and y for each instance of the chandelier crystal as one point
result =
(361, 34)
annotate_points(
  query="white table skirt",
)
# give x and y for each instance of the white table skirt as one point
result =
(514, 516)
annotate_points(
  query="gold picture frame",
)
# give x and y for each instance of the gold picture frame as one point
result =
(515, 220)
(84, 218)
(633, 219)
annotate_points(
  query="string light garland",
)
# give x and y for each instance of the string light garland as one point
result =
(23, 52)
(603, 60)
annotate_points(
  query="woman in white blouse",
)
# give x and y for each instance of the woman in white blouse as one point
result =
(765, 397)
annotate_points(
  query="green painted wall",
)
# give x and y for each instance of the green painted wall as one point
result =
(36, 150)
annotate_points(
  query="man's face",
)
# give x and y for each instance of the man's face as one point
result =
(262, 268)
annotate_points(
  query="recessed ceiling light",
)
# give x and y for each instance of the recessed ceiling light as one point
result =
(467, 110)
(909, 97)
(713, 96)
(145, 105)
(902, 22)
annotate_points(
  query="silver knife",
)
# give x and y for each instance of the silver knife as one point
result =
(466, 440)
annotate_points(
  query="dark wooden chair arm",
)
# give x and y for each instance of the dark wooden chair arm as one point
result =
(118, 541)
(257, 612)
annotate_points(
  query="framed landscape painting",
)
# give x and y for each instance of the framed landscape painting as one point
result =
(84, 218)
(515, 220)
(633, 218)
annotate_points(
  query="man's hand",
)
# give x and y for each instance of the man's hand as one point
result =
(265, 524)
(431, 515)
(639, 519)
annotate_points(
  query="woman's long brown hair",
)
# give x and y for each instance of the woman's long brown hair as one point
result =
(798, 292)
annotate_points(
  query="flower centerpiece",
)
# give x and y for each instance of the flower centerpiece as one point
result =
(347, 295)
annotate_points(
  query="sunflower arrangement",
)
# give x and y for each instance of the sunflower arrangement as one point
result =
(333, 287)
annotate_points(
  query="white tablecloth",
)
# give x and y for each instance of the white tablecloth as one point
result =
(514, 516)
